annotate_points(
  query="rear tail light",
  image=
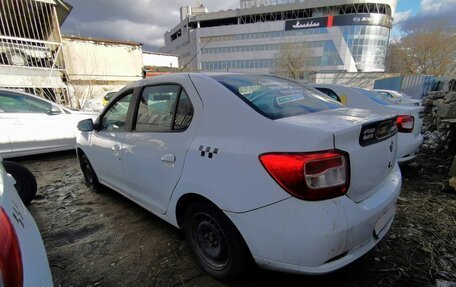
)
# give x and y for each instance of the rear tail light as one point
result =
(310, 176)
(11, 273)
(405, 124)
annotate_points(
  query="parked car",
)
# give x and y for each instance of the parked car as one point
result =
(25, 54)
(32, 125)
(23, 259)
(107, 97)
(398, 97)
(409, 120)
(249, 166)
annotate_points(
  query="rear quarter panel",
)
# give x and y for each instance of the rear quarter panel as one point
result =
(234, 178)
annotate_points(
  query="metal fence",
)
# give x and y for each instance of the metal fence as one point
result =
(29, 34)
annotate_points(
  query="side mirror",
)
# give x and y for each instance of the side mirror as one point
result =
(55, 110)
(86, 125)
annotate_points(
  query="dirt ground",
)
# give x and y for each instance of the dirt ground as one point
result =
(103, 239)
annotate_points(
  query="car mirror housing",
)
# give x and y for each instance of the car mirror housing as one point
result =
(86, 125)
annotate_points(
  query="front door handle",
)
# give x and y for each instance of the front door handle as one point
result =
(169, 158)
(115, 150)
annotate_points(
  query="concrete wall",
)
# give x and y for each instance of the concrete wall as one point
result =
(160, 60)
(362, 80)
(98, 60)
(95, 66)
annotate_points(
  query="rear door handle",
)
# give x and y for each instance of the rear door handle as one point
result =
(169, 158)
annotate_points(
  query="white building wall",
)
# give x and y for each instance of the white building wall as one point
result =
(95, 60)
(95, 67)
(160, 60)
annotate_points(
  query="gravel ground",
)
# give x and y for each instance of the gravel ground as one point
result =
(103, 239)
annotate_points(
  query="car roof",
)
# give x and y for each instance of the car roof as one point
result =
(11, 91)
(173, 76)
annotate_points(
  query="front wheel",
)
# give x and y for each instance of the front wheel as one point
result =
(90, 177)
(219, 248)
(25, 181)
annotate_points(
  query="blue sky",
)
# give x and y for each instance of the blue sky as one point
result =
(424, 14)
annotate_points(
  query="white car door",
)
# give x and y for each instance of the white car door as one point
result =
(155, 150)
(5, 144)
(106, 150)
(33, 124)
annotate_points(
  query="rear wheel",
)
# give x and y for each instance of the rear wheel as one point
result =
(16, 58)
(90, 177)
(216, 243)
(25, 181)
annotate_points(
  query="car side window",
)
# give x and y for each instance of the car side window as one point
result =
(116, 117)
(23, 104)
(157, 110)
(184, 112)
(329, 93)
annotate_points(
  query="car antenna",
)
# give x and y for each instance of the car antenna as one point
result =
(196, 54)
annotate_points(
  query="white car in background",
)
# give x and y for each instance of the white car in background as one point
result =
(23, 259)
(32, 125)
(398, 97)
(249, 166)
(409, 120)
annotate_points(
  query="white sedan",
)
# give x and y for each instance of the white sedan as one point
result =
(409, 120)
(249, 166)
(398, 97)
(32, 125)
(23, 259)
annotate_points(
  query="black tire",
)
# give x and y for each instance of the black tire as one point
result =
(216, 243)
(90, 177)
(25, 181)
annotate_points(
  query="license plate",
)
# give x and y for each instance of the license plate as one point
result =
(383, 220)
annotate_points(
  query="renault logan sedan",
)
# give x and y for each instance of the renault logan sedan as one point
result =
(32, 125)
(398, 98)
(409, 120)
(23, 259)
(249, 166)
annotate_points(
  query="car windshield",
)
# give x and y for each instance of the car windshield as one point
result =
(275, 97)
(376, 97)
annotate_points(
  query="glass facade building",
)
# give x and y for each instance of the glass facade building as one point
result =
(350, 36)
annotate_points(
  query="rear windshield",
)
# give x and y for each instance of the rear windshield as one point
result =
(376, 97)
(275, 97)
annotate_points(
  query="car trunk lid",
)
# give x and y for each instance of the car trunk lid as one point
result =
(368, 138)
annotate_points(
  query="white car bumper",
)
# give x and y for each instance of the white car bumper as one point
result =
(318, 237)
(408, 147)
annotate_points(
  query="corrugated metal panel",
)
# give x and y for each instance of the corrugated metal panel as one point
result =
(414, 86)
(389, 84)
(417, 86)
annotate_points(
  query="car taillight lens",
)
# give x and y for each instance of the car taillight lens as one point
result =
(405, 124)
(310, 176)
(11, 272)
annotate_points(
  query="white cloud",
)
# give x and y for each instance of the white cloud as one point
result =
(432, 6)
(142, 21)
(402, 16)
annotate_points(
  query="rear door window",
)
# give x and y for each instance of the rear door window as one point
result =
(275, 97)
(329, 93)
(163, 108)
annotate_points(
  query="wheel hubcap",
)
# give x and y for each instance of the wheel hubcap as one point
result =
(17, 60)
(210, 242)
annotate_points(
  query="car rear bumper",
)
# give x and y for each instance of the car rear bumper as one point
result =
(409, 146)
(318, 237)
